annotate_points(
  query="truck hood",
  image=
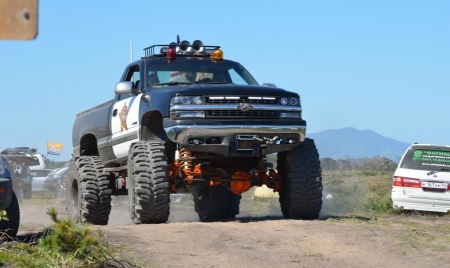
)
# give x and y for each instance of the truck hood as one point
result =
(229, 89)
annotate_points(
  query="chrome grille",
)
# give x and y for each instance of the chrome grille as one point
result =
(246, 99)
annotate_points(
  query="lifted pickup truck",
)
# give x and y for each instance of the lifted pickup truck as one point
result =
(184, 119)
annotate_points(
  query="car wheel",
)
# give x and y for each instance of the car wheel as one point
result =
(11, 226)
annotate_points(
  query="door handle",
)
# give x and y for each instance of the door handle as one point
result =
(114, 112)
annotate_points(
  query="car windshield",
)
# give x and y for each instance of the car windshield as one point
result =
(423, 159)
(196, 71)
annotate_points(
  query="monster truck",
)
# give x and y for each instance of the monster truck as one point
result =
(184, 119)
(8, 202)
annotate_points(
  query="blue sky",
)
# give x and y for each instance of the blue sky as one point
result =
(380, 65)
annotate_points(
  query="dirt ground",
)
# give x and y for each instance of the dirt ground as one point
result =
(260, 237)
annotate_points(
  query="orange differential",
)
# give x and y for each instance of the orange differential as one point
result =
(276, 180)
(240, 182)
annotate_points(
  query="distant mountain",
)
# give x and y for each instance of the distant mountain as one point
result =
(340, 143)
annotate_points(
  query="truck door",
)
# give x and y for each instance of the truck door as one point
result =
(125, 118)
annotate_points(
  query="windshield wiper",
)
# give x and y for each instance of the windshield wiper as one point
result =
(436, 171)
(217, 83)
(173, 84)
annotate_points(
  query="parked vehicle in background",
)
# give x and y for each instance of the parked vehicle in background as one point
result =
(24, 170)
(42, 164)
(422, 179)
(20, 162)
(33, 152)
(39, 176)
(56, 181)
(8, 201)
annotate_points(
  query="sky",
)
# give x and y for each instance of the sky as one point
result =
(379, 65)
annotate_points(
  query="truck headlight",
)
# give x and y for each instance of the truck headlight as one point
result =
(290, 101)
(187, 100)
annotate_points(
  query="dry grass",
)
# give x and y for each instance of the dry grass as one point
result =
(355, 192)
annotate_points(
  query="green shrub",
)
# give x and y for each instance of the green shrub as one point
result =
(361, 192)
(379, 200)
(65, 244)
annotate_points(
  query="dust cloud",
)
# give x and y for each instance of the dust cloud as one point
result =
(34, 211)
(182, 211)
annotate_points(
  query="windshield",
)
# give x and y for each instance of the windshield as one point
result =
(423, 159)
(161, 72)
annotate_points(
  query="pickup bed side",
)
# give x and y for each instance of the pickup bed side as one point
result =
(91, 131)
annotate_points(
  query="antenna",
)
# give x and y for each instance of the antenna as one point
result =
(131, 50)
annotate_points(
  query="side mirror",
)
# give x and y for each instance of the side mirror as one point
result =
(125, 88)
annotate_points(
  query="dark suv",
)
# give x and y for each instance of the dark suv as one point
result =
(8, 201)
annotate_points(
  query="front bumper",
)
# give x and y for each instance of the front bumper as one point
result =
(237, 139)
(6, 197)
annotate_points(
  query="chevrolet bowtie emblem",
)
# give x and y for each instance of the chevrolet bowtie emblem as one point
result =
(244, 107)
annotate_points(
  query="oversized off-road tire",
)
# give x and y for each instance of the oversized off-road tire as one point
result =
(88, 191)
(301, 189)
(148, 183)
(11, 226)
(216, 203)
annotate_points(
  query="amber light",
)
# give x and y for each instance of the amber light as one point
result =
(3, 190)
(171, 53)
(217, 55)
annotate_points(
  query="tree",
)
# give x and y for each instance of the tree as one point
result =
(328, 163)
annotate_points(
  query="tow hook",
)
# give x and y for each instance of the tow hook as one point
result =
(266, 140)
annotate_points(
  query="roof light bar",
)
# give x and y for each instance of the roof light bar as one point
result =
(184, 48)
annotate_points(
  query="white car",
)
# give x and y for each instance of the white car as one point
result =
(39, 175)
(422, 179)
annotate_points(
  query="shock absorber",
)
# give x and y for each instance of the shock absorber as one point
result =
(186, 161)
